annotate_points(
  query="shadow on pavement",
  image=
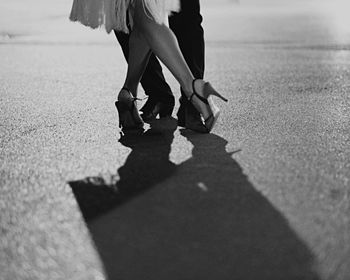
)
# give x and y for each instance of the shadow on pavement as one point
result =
(204, 221)
(147, 165)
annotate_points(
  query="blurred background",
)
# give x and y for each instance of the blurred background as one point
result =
(297, 22)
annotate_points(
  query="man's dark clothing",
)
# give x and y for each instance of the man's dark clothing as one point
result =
(187, 26)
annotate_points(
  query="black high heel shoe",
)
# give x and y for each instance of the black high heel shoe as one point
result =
(208, 109)
(129, 118)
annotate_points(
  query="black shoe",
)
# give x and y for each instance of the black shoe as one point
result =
(188, 117)
(129, 118)
(199, 98)
(157, 106)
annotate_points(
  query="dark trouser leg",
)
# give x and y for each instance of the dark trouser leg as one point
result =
(189, 32)
(153, 81)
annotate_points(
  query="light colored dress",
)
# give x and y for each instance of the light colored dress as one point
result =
(112, 14)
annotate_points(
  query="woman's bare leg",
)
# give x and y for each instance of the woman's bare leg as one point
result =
(164, 45)
(161, 40)
(139, 53)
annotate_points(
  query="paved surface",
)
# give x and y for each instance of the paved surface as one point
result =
(265, 196)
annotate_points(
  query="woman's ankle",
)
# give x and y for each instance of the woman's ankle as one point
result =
(198, 85)
(187, 87)
(124, 94)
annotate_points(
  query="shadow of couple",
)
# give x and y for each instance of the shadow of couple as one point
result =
(201, 219)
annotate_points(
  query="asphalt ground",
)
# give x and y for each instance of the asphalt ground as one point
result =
(264, 196)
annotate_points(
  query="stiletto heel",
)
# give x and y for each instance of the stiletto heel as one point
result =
(129, 117)
(211, 91)
(209, 111)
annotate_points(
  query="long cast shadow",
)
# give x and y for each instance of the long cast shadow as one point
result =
(204, 221)
(147, 165)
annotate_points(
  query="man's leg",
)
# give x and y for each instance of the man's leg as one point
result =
(187, 26)
(160, 96)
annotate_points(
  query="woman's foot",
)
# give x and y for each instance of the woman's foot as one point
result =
(129, 117)
(201, 99)
(188, 117)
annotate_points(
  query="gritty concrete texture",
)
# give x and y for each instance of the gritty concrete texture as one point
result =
(265, 196)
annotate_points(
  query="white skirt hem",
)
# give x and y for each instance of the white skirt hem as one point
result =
(112, 14)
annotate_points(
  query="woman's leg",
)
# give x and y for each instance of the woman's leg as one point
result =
(160, 96)
(139, 53)
(164, 45)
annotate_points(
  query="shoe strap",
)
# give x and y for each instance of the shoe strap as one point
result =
(201, 98)
(137, 122)
(134, 98)
(208, 118)
(191, 97)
